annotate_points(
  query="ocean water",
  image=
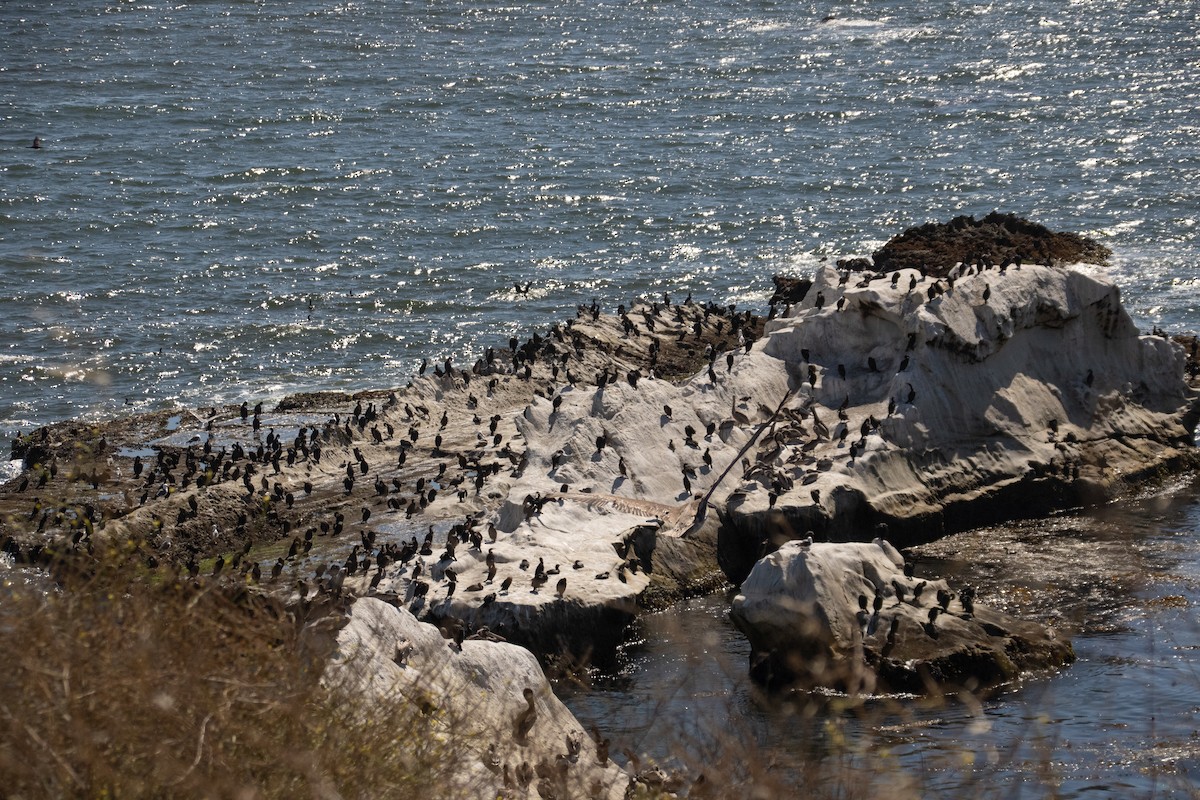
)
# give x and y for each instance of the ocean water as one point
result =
(244, 199)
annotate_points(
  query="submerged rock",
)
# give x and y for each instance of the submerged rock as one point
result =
(847, 616)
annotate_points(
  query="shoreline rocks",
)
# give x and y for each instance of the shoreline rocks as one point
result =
(850, 616)
(935, 248)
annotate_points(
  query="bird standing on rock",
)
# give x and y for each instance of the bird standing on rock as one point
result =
(524, 721)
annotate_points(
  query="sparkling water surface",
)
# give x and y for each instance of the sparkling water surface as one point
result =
(240, 200)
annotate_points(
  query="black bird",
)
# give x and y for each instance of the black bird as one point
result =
(504, 584)
(943, 598)
(920, 587)
(967, 597)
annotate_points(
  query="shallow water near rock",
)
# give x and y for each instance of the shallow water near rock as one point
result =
(1121, 722)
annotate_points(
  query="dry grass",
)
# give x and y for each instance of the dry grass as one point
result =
(123, 684)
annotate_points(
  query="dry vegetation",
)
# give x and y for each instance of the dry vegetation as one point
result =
(120, 684)
(124, 682)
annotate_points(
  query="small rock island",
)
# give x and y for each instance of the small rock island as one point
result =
(544, 494)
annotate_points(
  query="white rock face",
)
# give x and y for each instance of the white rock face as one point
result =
(806, 597)
(1006, 393)
(1034, 377)
(477, 699)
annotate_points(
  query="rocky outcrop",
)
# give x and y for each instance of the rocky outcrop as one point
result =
(324, 492)
(938, 405)
(848, 616)
(504, 732)
(935, 248)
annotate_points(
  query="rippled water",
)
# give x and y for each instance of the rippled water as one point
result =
(1123, 721)
(245, 199)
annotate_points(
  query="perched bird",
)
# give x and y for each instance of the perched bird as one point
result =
(524, 721)
(920, 587)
